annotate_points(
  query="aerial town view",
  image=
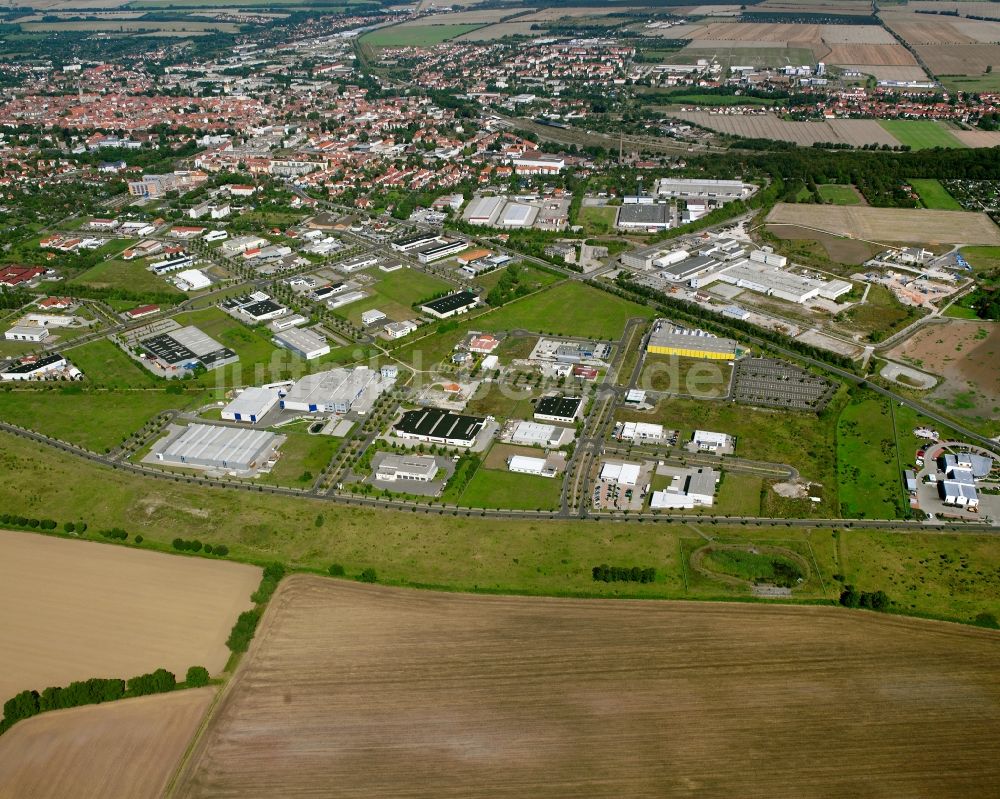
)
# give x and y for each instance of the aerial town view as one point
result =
(500, 398)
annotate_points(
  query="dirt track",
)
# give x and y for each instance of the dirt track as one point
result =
(353, 690)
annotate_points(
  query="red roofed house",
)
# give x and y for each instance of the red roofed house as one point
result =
(56, 303)
(142, 310)
(484, 344)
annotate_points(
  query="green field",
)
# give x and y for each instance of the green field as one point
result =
(934, 195)
(558, 311)
(972, 83)
(597, 220)
(394, 295)
(682, 98)
(118, 274)
(492, 488)
(949, 576)
(802, 440)
(839, 194)
(105, 365)
(983, 259)
(869, 474)
(748, 56)
(415, 35)
(880, 315)
(920, 134)
(302, 458)
(96, 420)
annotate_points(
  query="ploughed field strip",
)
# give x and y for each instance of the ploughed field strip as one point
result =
(355, 690)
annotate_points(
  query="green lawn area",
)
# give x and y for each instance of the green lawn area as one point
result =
(303, 457)
(960, 309)
(415, 35)
(920, 133)
(983, 259)
(869, 477)
(473, 553)
(738, 495)
(570, 309)
(131, 275)
(597, 220)
(253, 345)
(802, 440)
(839, 194)
(394, 294)
(934, 195)
(490, 488)
(105, 365)
(92, 419)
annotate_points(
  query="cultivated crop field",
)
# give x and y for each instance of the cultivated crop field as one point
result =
(921, 134)
(126, 748)
(79, 609)
(909, 225)
(966, 59)
(387, 693)
(855, 132)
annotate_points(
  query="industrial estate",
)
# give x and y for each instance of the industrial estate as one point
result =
(356, 356)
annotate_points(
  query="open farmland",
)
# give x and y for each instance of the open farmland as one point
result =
(919, 29)
(966, 59)
(387, 692)
(892, 55)
(855, 132)
(78, 609)
(904, 225)
(921, 134)
(415, 35)
(977, 138)
(131, 26)
(126, 748)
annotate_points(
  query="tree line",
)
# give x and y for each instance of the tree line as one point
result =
(246, 623)
(851, 597)
(95, 691)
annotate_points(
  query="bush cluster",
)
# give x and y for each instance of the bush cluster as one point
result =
(851, 597)
(246, 623)
(623, 574)
(28, 523)
(115, 533)
(182, 545)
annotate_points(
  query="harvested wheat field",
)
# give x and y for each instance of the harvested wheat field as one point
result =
(78, 609)
(120, 749)
(353, 690)
(977, 138)
(901, 225)
(959, 59)
(855, 132)
(890, 55)
(922, 29)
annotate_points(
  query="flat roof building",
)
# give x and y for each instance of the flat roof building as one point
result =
(392, 467)
(439, 427)
(188, 346)
(558, 408)
(250, 405)
(484, 210)
(644, 216)
(205, 446)
(305, 343)
(453, 304)
(32, 333)
(335, 391)
(528, 465)
(537, 435)
(665, 339)
(638, 431)
(708, 440)
(626, 474)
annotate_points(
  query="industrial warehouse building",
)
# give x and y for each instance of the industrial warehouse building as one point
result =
(528, 465)
(666, 339)
(436, 426)
(558, 409)
(721, 191)
(391, 468)
(712, 442)
(31, 333)
(484, 210)
(250, 405)
(533, 434)
(188, 346)
(302, 342)
(644, 216)
(335, 391)
(453, 304)
(638, 432)
(205, 446)
(626, 474)
(688, 489)
(41, 367)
